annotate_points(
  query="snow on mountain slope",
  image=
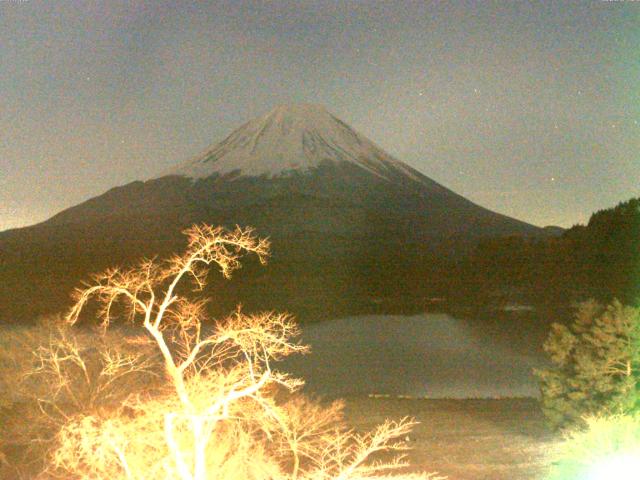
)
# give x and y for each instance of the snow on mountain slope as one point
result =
(293, 138)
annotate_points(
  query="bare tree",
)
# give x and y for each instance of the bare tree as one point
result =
(51, 373)
(219, 414)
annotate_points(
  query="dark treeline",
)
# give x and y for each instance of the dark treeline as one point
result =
(319, 276)
(599, 260)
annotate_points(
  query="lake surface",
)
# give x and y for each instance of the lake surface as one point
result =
(427, 355)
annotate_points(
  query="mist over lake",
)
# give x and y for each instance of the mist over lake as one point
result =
(427, 355)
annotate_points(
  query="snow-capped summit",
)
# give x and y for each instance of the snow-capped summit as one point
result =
(291, 137)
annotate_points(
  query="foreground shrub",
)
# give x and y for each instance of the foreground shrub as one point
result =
(50, 373)
(595, 364)
(17, 429)
(222, 410)
(609, 448)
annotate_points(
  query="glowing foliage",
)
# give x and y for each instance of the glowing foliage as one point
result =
(222, 411)
(596, 364)
(609, 448)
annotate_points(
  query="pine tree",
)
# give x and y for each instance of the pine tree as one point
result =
(595, 364)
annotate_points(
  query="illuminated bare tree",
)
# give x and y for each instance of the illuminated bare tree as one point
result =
(51, 373)
(218, 415)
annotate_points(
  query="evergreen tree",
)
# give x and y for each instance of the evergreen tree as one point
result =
(595, 364)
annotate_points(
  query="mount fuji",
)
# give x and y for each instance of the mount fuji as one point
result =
(353, 229)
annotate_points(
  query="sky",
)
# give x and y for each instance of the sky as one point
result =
(529, 109)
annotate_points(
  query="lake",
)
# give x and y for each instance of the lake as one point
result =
(427, 355)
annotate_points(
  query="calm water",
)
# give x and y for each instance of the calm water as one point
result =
(427, 355)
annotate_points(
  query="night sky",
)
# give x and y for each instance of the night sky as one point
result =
(531, 111)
